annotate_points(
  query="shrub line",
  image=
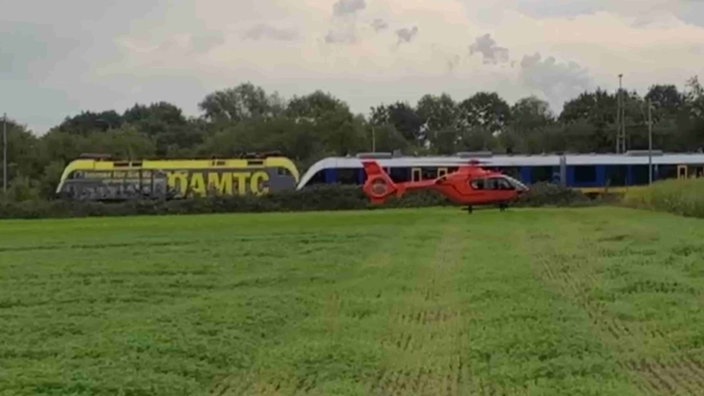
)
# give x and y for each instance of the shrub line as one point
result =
(314, 198)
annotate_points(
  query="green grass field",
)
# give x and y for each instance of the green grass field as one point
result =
(600, 301)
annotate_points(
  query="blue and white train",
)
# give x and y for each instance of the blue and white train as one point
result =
(591, 173)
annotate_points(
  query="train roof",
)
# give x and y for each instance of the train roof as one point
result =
(503, 160)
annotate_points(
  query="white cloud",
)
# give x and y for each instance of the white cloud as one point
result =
(491, 53)
(554, 80)
(159, 50)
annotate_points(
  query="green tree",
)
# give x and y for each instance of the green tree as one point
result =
(242, 102)
(22, 148)
(531, 113)
(484, 109)
(88, 122)
(666, 100)
(439, 115)
(404, 118)
(165, 123)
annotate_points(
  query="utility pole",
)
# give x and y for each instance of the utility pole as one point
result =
(650, 144)
(623, 122)
(4, 153)
(620, 119)
(373, 140)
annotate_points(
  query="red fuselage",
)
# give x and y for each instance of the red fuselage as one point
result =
(469, 185)
(472, 186)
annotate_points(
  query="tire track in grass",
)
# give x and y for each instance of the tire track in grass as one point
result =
(525, 339)
(574, 248)
(346, 316)
(425, 333)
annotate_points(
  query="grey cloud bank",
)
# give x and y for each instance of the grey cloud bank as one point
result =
(97, 55)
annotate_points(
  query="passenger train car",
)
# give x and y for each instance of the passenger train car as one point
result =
(593, 174)
(99, 178)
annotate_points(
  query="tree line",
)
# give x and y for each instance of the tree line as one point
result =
(246, 118)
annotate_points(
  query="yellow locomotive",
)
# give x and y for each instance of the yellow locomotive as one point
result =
(97, 177)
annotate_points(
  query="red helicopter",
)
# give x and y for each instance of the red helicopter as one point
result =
(469, 186)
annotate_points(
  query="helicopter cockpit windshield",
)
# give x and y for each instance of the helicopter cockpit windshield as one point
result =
(516, 184)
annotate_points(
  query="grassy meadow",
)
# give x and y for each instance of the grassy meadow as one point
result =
(599, 301)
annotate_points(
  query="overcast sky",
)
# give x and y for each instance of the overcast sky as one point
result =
(58, 58)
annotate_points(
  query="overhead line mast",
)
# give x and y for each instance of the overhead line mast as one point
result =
(620, 119)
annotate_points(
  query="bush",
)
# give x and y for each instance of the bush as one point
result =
(682, 197)
(316, 198)
(548, 194)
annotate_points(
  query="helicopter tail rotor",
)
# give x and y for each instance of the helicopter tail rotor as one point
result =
(379, 185)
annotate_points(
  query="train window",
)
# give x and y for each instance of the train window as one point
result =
(616, 175)
(400, 175)
(585, 174)
(429, 173)
(665, 171)
(542, 174)
(347, 176)
(640, 174)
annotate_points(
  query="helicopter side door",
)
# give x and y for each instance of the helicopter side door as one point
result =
(490, 189)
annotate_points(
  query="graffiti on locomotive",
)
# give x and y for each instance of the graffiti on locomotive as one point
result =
(225, 182)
